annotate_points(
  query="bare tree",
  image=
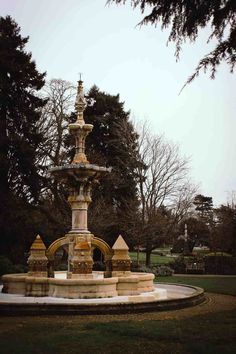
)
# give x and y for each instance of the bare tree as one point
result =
(54, 120)
(53, 125)
(164, 189)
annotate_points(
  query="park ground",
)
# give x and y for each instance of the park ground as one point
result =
(208, 328)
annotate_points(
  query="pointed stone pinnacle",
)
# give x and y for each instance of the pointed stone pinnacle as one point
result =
(120, 244)
(38, 244)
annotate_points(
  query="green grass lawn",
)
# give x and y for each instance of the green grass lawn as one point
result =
(221, 285)
(204, 334)
(155, 259)
(211, 333)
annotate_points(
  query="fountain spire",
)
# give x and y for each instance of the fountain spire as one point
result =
(80, 176)
(80, 103)
(80, 129)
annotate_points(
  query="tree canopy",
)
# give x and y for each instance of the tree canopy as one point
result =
(19, 114)
(186, 18)
(113, 143)
(20, 178)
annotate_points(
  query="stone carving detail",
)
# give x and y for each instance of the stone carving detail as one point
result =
(38, 261)
(82, 262)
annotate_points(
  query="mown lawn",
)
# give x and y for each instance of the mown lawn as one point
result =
(155, 259)
(204, 334)
(220, 285)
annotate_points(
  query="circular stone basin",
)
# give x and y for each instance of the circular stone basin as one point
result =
(163, 297)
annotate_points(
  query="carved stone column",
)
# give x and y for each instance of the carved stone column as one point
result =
(79, 202)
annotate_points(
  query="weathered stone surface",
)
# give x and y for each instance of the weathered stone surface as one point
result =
(82, 262)
(38, 261)
(78, 288)
(121, 261)
(120, 244)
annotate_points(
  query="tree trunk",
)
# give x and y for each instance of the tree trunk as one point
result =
(148, 256)
(138, 256)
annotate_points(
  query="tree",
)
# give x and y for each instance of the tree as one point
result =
(204, 207)
(112, 143)
(54, 120)
(20, 178)
(54, 151)
(19, 114)
(185, 18)
(164, 190)
(223, 235)
(198, 232)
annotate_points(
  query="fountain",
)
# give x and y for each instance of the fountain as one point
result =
(80, 288)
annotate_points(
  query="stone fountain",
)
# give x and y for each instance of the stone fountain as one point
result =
(79, 281)
(80, 289)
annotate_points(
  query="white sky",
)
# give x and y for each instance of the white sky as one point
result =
(103, 42)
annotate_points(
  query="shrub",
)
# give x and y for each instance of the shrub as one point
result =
(218, 254)
(20, 268)
(146, 269)
(179, 265)
(134, 266)
(220, 264)
(7, 267)
(164, 271)
(99, 266)
(61, 266)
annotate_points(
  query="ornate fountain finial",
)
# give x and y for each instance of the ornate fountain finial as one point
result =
(80, 129)
(80, 102)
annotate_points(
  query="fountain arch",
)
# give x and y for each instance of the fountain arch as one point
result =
(54, 247)
(96, 242)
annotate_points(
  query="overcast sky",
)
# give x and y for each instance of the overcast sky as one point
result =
(103, 42)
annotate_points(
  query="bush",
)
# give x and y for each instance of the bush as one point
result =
(164, 271)
(218, 254)
(179, 265)
(61, 267)
(134, 266)
(225, 265)
(7, 267)
(99, 266)
(145, 269)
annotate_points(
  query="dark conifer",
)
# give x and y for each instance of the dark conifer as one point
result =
(20, 180)
(19, 114)
(186, 18)
(113, 143)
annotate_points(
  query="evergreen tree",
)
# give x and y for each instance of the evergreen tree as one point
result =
(112, 143)
(20, 181)
(185, 18)
(223, 237)
(204, 206)
(19, 114)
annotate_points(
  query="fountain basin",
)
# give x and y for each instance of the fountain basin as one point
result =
(78, 288)
(163, 297)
